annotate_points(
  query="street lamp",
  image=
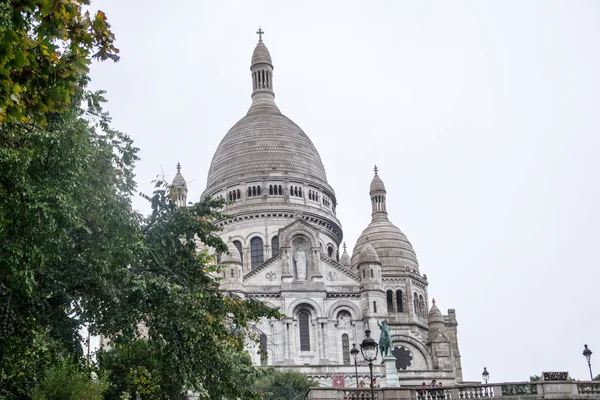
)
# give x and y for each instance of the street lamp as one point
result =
(369, 350)
(587, 353)
(354, 353)
(485, 375)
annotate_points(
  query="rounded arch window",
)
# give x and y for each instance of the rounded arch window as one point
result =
(256, 252)
(275, 246)
(238, 245)
(304, 327)
(330, 251)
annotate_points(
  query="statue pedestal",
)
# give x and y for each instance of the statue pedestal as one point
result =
(391, 374)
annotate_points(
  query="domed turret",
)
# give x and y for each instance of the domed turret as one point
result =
(345, 259)
(368, 255)
(232, 255)
(394, 250)
(435, 315)
(179, 188)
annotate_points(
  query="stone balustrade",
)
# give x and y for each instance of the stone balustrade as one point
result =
(556, 390)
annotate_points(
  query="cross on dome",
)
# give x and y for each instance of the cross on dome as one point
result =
(376, 169)
(260, 32)
(178, 167)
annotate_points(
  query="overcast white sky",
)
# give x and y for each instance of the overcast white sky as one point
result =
(483, 118)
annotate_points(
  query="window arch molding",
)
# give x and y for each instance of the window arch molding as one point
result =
(307, 304)
(344, 305)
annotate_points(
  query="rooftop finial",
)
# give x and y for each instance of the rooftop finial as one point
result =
(376, 169)
(260, 32)
(344, 246)
(178, 167)
(433, 301)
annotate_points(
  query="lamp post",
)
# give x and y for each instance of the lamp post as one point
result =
(354, 353)
(485, 375)
(587, 353)
(369, 350)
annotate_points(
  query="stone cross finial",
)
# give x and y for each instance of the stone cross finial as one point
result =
(260, 32)
(376, 170)
(178, 167)
(433, 301)
(344, 246)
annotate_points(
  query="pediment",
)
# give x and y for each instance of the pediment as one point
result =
(335, 272)
(259, 274)
(440, 337)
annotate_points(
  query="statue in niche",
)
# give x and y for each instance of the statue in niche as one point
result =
(300, 261)
(344, 319)
(331, 276)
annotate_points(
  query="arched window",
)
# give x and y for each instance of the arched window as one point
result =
(239, 194)
(374, 306)
(303, 321)
(422, 304)
(372, 274)
(330, 251)
(399, 301)
(390, 300)
(264, 355)
(258, 190)
(238, 245)
(275, 246)
(280, 190)
(253, 190)
(232, 274)
(270, 189)
(364, 274)
(346, 349)
(256, 252)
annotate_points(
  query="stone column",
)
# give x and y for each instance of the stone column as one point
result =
(391, 374)
(315, 273)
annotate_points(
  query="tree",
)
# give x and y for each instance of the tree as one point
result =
(67, 229)
(194, 331)
(597, 377)
(535, 378)
(46, 47)
(277, 384)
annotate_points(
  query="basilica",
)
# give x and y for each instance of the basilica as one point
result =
(285, 248)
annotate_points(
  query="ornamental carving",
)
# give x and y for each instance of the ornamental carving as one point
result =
(343, 320)
(403, 357)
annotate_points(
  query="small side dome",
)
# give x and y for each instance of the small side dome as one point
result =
(178, 180)
(261, 55)
(368, 255)
(233, 256)
(435, 315)
(345, 259)
(376, 183)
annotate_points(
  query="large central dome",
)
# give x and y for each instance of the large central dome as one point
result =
(265, 140)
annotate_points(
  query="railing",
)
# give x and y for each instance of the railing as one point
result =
(476, 392)
(519, 389)
(589, 388)
(360, 394)
(434, 394)
(524, 390)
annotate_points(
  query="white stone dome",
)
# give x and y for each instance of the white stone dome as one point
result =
(265, 141)
(393, 248)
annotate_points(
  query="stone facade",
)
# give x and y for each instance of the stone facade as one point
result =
(285, 245)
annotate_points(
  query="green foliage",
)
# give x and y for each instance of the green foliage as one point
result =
(193, 329)
(68, 381)
(597, 377)
(46, 47)
(67, 230)
(535, 378)
(275, 383)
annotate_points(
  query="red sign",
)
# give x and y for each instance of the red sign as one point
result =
(338, 381)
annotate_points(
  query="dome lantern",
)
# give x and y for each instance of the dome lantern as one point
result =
(377, 192)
